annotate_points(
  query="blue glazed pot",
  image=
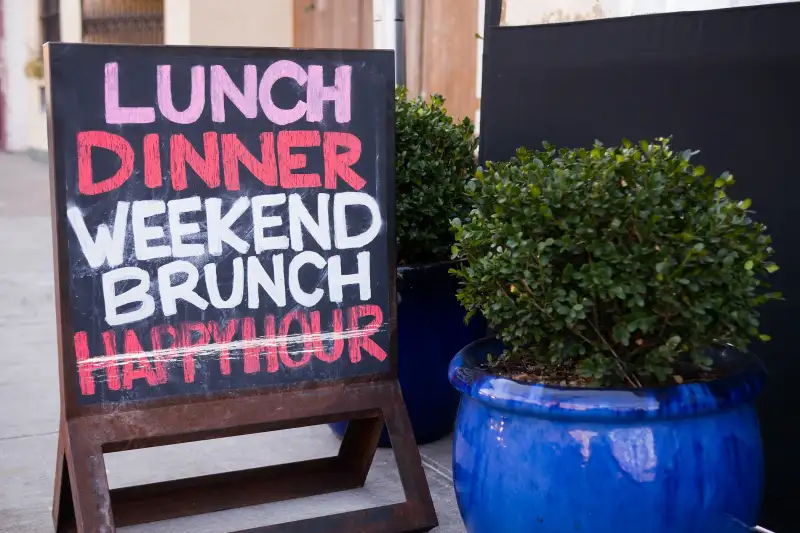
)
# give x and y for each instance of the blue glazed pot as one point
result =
(430, 329)
(682, 459)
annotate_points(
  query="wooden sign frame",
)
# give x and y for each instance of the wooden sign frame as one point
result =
(82, 499)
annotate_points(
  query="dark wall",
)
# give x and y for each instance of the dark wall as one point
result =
(726, 82)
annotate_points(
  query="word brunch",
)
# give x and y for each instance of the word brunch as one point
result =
(193, 235)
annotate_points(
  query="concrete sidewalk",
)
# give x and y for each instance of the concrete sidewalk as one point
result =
(29, 404)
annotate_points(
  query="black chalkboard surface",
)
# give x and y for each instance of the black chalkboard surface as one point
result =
(224, 217)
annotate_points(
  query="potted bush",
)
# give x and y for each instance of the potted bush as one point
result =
(623, 286)
(435, 157)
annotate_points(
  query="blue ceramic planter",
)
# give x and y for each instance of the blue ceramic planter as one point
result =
(683, 459)
(430, 329)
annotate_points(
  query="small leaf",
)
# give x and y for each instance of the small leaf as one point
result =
(678, 379)
(621, 334)
(745, 204)
(748, 265)
(673, 342)
(772, 267)
(765, 338)
(699, 170)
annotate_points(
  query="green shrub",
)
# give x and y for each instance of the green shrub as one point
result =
(435, 158)
(611, 266)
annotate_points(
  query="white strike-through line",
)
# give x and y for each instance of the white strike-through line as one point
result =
(209, 349)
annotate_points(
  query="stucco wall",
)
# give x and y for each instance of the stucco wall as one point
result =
(229, 22)
(529, 12)
(177, 22)
(71, 31)
(37, 123)
(15, 85)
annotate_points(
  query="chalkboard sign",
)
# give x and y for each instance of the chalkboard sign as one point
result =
(224, 255)
(223, 217)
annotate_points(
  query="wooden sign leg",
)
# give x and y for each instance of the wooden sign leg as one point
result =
(63, 510)
(82, 501)
(358, 448)
(409, 462)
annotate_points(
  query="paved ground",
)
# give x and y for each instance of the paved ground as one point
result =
(29, 404)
